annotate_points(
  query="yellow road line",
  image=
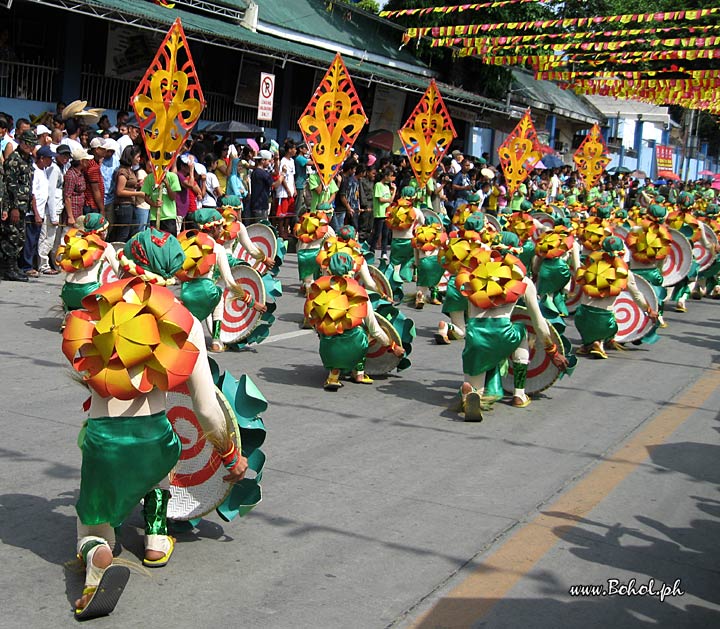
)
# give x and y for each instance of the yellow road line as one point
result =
(499, 572)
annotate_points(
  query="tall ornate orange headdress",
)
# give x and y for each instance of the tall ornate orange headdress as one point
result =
(591, 157)
(519, 153)
(168, 101)
(427, 134)
(332, 120)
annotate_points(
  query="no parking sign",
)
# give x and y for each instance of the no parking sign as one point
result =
(266, 97)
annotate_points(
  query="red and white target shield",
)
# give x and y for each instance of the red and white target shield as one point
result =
(443, 283)
(544, 219)
(196, 483)
(264, 239)
(677, 263)
(105, 271)
(541, 371)
(381, 282)
(491, 220)
(378, 360)
(572, 296)
(703, 255)
(632, 321)
(239, 320)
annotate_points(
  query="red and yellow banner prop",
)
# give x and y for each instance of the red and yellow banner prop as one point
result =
(168, 101)
(519, 153)
(591, 157)
(427, 134)
(332, 120)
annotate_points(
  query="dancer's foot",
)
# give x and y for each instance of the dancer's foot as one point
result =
(441, 336)
(521, 401)
(597, 351)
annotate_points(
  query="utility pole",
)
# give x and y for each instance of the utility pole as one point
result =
(685, 164)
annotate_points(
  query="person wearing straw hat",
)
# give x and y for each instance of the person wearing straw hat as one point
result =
(128, 445)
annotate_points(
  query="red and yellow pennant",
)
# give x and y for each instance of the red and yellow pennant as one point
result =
(575, 22)
(427, 134)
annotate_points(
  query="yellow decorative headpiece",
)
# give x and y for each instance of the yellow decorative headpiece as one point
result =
(429, 237)
(492, 279)
(400, 215)
(79, 251)
(649, 244)
(312, 226)
(199, 256)
(555, 243)
(131, 337)
(603, 275)
(335, 305)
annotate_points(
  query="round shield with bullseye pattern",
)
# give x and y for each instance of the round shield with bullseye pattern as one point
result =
(704, 256)
(491, 220)
(572, 297)
(239, 320)
(378, 361)
(443, 283)
(105, 271)
(431, 216)
(544, 219)
(196, 484)
(541, 372)
(381, 282)
(264, 239)
(678, 261)
(632, 321)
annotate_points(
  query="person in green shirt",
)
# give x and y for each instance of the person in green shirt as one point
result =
(318, 194)
(383, 195)
(519, 196)
(168, 212)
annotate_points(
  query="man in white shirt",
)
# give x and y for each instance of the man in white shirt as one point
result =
(34, 216)
(51, 233)
(73, 132)
(457, 160)
(554, 186)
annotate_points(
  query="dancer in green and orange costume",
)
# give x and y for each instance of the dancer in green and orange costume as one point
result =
(199, 292)
(427, 242)
(603, 275)
(82, 253)
(649, 243)
(132, 343)
(402, 217)
(493, 282)
(311, 231)
(339, 309)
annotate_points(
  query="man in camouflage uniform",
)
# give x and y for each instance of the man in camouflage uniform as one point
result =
(17, 204)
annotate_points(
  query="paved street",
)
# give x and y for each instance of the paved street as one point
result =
(380, 507)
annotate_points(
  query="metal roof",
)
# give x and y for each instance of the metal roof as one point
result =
(630, 109)
(548, 96)
(314, 19)
(200, 27)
